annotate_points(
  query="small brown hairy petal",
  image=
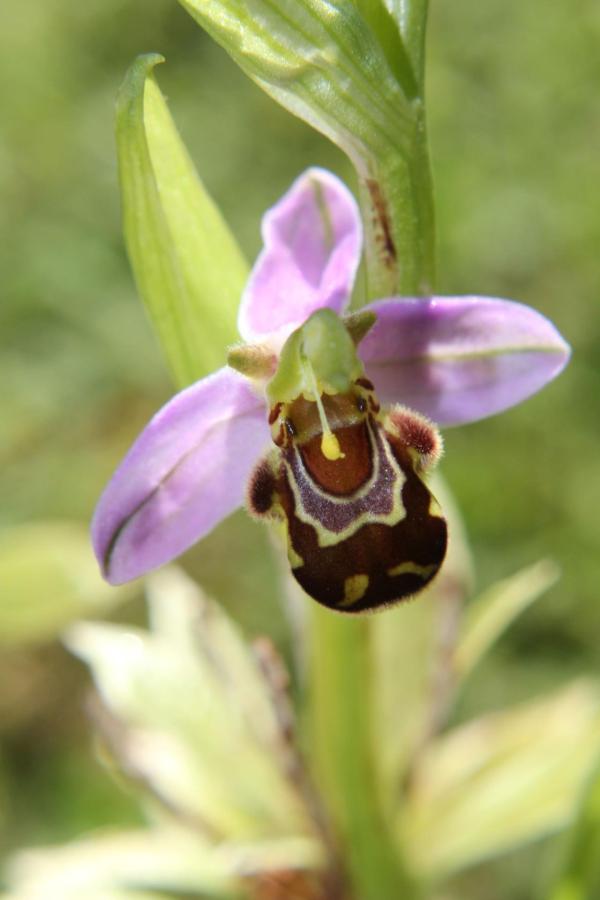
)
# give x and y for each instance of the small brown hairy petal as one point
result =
(417, 433)
(262, 487)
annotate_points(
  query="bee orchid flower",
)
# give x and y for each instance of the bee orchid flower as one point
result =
(294, 423)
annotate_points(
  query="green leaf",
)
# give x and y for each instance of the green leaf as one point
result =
(188, 268)
(580, 878)
(322, 62)
(167, 859)
(387, 31)
(411, 17)
(48, 578)
(193, 717)
(489, 616)
(120, 865)
(501, 780)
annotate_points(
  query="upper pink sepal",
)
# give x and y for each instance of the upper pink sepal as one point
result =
(312, 245)
(459, 359)
(185, 472)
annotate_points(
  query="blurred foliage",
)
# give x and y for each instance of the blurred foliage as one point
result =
(49, 578)
(580, 871)
(200, 722)
(515, 118)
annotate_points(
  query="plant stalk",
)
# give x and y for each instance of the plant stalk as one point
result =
(398, 216)
(396, 198)
(344, 758)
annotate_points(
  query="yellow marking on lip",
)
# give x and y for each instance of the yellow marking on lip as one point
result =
(330, 447)
(435, 509)
(412, 568)
(294, 558)
(355, 588)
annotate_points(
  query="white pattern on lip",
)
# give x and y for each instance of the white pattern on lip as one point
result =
(379, 499)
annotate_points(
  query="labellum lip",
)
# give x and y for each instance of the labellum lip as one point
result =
(363, 529)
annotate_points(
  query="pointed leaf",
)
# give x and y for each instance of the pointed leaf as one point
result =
(501, 780)
(411, 19)
(322, 62)
(387, 29)
(188, 268)
(187, 720)
(491, 614)
(140, 865)
(104, 866)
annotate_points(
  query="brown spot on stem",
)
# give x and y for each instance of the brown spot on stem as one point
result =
(382, 225)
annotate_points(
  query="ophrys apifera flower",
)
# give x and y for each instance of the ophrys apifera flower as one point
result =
(311, 432)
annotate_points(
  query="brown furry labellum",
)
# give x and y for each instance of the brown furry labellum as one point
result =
(363, 529)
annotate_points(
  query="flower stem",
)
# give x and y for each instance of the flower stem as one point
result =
(397, 205)
(396, 190)
(343, 756)
(411, 16)
(398, 216)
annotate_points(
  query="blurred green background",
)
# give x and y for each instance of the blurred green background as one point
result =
(514, 112)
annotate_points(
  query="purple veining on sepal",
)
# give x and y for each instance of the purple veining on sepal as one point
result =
(459, 359)
(185, 472)
(312, 246)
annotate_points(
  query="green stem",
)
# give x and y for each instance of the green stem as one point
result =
(395, 188)
(398, 216)
(411, 16)
(343, 756)
(397, 205)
